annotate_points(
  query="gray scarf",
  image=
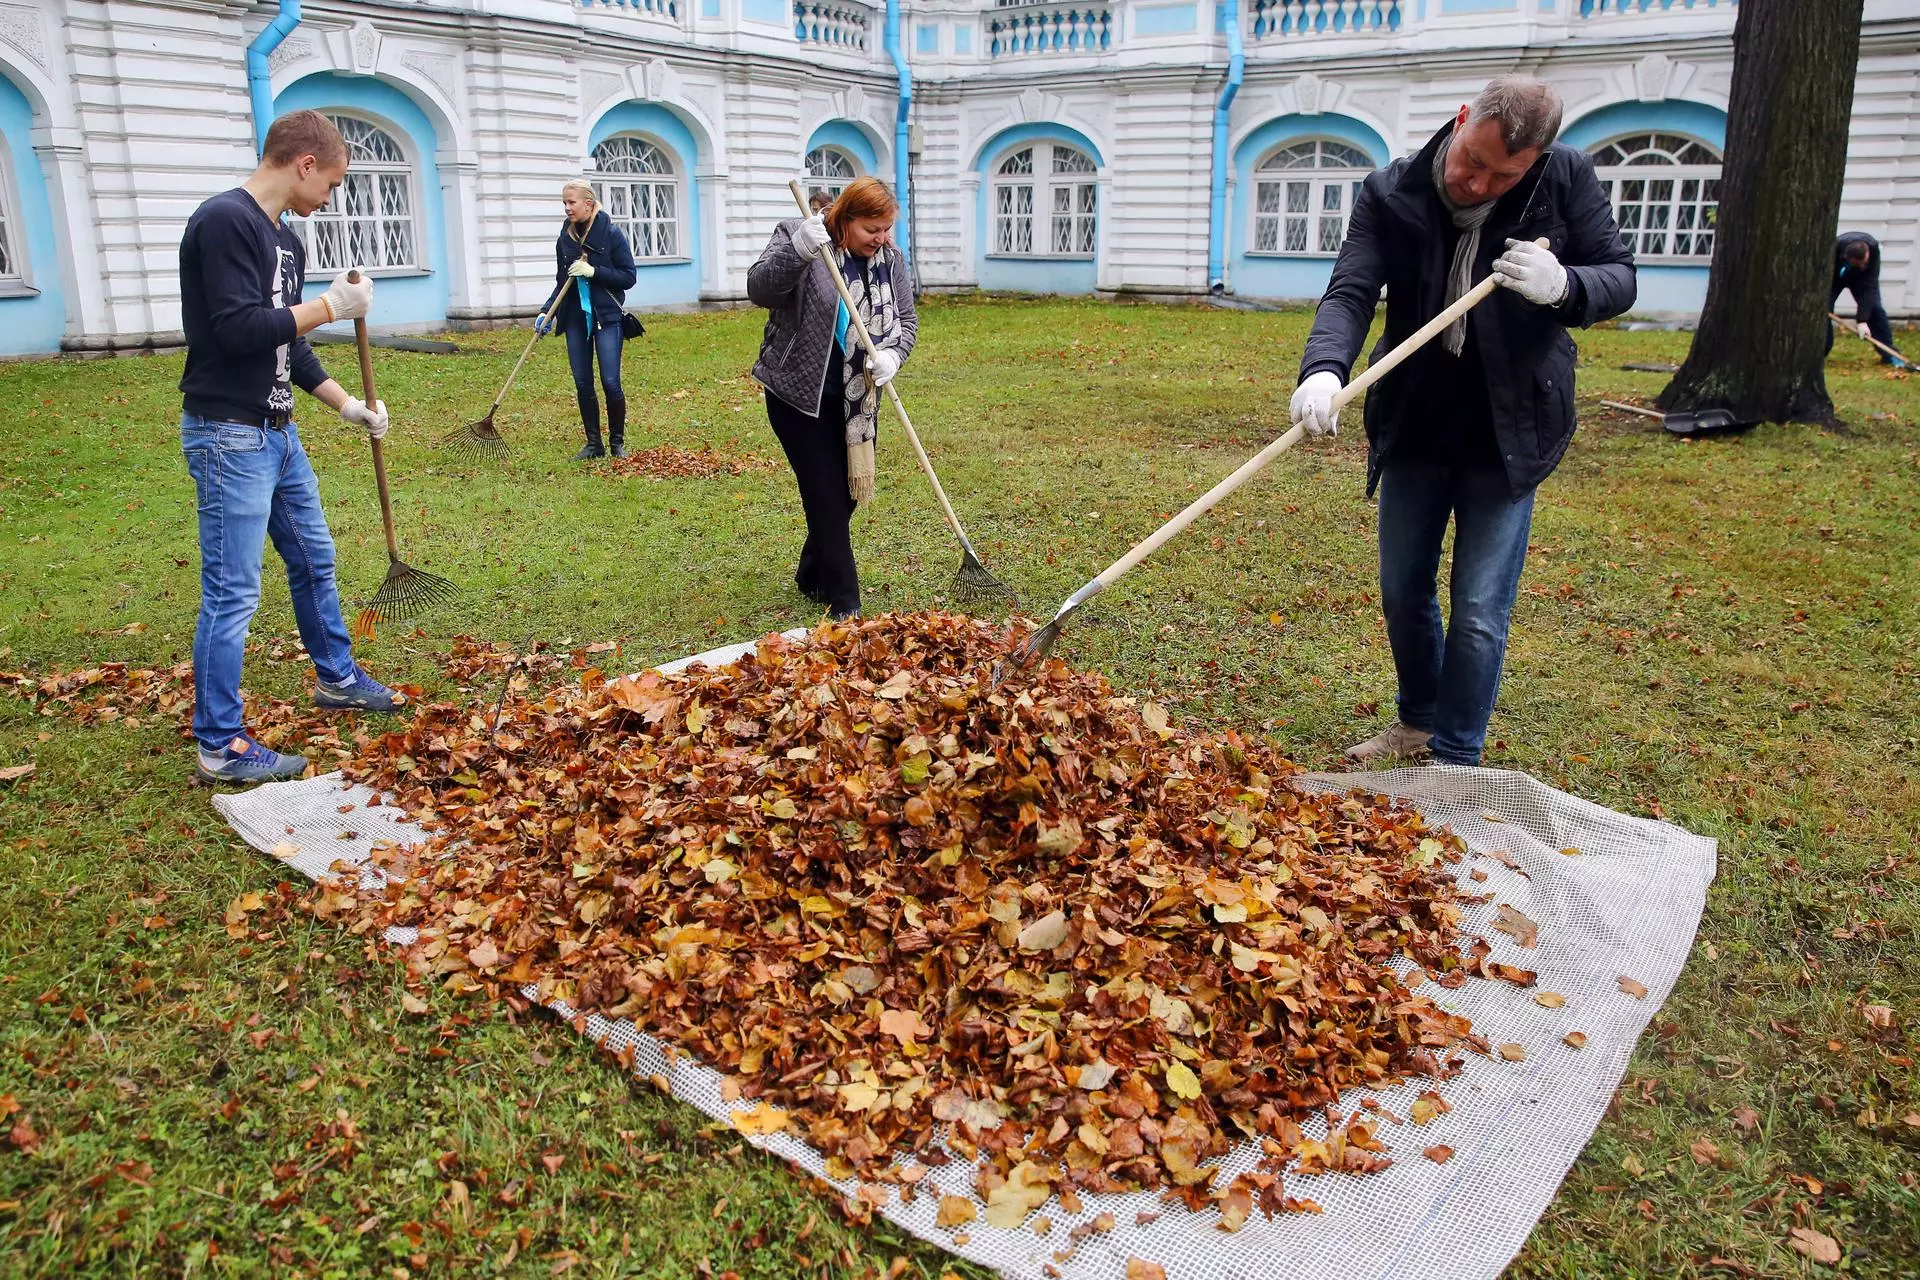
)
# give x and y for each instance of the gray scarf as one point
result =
(872, 294)
(1468, 219)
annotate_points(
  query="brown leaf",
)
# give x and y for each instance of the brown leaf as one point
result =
(16, 771)
(1574, 1039)
(954, 1211)
(1746, 1119)
(1438, 1154)
(1140, 1269)
(1823, 1249)
(1549, 999)
(1635, 989)
(1522, 930)
(1705, 1152)
(1513, 1052)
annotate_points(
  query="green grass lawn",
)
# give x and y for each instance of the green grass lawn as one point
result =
(1723, 633)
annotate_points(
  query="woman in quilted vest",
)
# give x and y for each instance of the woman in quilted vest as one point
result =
(822, 392)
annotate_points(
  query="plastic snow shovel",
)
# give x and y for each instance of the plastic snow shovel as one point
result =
(406, 590)
(1899, 361)
(972, 579)
(482, 440)
(1691, 422)
(1041, 642)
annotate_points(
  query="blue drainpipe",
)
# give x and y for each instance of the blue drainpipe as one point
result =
(259, 79)
(1217, 214)
(901, 138)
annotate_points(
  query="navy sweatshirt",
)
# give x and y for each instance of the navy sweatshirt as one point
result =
(240, 271)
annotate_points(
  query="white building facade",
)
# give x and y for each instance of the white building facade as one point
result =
(1063, 146)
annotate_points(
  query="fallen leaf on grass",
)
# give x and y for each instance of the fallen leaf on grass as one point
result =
(1877, 1015)
(1705, 1152)
(413, 1004)
(1637, 990)
(1524, 932)
(1815, 1245)
(1438, 1154)
(14, 771)
(1746, 1119)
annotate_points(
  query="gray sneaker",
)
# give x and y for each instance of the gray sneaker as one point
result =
(243, 760)
(1396, 741)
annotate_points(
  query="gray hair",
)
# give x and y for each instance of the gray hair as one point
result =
(1528, 110)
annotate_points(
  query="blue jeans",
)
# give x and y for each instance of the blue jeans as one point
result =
(253, 484)
(1449, 677)
(582, 347)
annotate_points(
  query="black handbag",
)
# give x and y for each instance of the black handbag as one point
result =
(630, 327)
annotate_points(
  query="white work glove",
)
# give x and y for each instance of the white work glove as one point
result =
(1532, 272)
(882, 365)
(1312, 405)
(374, 419)
(1864, 331)
(348, 301)
(581, 267)
(810, 237)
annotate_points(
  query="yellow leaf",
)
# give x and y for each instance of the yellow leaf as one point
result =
(1513, 1052)
(1235, 914)
(762, 1118)
(1182, 1081)
(1549, 999)
(954, 1211)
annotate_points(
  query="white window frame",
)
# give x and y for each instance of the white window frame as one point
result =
(1696, 210)
(1046, 201)
(406, 170)
(831, 183)
(1300, 199)
(16, 279)
(674, 180)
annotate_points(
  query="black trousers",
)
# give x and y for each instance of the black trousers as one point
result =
(817, 451)
(1877, 324)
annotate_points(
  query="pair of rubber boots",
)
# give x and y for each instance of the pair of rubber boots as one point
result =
(616, 444)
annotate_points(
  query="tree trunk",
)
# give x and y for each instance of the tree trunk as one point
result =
(1761, 347)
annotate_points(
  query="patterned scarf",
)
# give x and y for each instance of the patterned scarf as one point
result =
(1467, 219)
(871, 289)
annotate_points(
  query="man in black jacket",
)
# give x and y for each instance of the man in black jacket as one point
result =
(1856, 269)
(1471, 424)
(241, 271)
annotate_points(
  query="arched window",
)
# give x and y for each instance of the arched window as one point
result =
(11, 271)
(1665, 189)
(1057, 180)
(638, 186)
(369, 222)
(829, 170)
(1303, 195)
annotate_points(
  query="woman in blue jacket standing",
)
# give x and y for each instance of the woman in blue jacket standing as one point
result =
(595, 270)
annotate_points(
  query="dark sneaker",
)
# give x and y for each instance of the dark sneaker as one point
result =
(362, 693)
(244, 760)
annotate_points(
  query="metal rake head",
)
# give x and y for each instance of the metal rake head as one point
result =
(477, 442)
(1034, 648)
(974, 582)
(406, 593)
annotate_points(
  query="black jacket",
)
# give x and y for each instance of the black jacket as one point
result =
(613, 271)
(1862, 282)
(1400, 236)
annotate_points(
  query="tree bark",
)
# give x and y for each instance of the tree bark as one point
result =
(1761, 347)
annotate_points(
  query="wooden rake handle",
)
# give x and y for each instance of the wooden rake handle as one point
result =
(524, 353)
(1258, 462)
(1848, 325)
(866, 340)
(366, 393)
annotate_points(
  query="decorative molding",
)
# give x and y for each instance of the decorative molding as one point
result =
(293, 49)
(20, 27)
(1651, 76)
(438, 68)
(853, 102)
(1308, 92)
(365, 40)
(596, 87)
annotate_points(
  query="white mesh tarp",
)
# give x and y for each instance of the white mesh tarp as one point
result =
(1614, 897)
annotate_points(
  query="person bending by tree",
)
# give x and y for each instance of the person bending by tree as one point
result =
(1468, 427)
(241, 270)
(822, 395)
(1856, 269)
(595, 270)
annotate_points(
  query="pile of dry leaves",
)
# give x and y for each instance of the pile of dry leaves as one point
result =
(896, 904)
(670, 462)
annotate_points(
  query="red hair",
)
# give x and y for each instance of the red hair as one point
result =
(866, 197)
